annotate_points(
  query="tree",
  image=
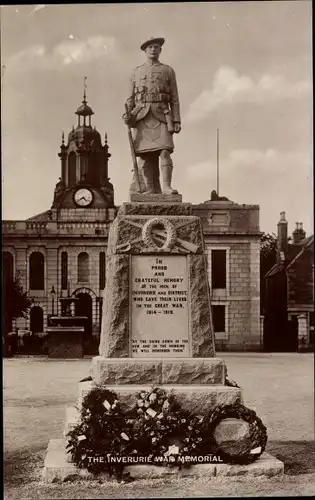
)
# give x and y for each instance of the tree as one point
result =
(268, 258)
(268, 250)
(16, 301)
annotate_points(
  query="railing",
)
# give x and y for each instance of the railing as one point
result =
(39, 226)
(98, 228)
(54, 227)
(9, 226)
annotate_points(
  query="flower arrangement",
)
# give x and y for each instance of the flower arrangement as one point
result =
(163, 429)
(157, 428)
(103, 430)
(248, 449)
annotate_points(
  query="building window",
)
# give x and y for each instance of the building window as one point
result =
(64, 270)
(218, 269)
(72, 168)
(7, 266)
(102, 270)
(36, 320)
(218, 318)
(37, 271)
(83, 268)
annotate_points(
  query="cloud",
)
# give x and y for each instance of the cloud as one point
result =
(67, 53)
(231, 88)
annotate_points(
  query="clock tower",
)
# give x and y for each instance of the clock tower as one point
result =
(84, 181)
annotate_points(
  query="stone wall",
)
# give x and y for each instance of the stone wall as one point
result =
(241, 296)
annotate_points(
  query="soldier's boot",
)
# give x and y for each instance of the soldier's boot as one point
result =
(147, 175)
(156, 176)
(166, 171)
(166, 179)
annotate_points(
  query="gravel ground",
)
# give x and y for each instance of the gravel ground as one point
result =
(279, 387)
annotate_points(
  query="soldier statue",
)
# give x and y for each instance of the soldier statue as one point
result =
(153, 113)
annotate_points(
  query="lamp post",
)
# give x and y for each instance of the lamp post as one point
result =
(53, 296)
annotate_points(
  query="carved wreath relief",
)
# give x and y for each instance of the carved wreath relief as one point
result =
(158, 235)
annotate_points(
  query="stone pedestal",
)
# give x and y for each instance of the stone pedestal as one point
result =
(157, 324)
(65, 341)
(57, 467)
(157, 285)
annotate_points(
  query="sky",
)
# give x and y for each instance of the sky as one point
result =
(244, 68)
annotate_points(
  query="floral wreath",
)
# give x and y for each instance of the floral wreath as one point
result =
(251, 448)
(103, 430)
(170, 233)
(165, 431)
(157, 427)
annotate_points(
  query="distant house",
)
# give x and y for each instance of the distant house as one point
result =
(289, 308)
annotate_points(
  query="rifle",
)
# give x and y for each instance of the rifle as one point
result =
(133, 153)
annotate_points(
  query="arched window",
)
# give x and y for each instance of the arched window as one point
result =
(102, 270)
(83, 267)
(64, 270)
(7, 266)
(36, 319)
(72, 168)
(37, 271)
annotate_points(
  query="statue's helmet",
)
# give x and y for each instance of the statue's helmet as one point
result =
(158, 40)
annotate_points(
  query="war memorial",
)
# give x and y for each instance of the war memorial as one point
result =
(158, 401)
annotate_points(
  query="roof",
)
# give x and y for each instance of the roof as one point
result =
(307, 241)
(42, 216)
(294, 253)
(277, 268)
(84, 110)
(85, 133)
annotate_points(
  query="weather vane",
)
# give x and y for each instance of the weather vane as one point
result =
(85, 87)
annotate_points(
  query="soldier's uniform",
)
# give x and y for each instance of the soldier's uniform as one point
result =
(153, 108)
(154, 105)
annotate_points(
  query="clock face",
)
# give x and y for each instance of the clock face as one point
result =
(83, 197)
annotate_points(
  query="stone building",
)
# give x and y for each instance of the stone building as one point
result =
(289, 289)
(63, 250)
(232, 237)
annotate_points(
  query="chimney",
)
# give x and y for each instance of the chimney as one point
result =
(298, 234)
(282, 244)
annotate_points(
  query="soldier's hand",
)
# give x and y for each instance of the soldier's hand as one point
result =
(177, 128)
(126, 119)
(130, 120)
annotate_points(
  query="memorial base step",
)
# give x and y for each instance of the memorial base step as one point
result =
(72, 418)
(156, 197)
(196, 399)
(192, 371)
(58, 468)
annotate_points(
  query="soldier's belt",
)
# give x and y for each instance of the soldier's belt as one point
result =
(163, 98)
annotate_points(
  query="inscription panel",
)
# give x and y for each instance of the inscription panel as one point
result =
(159, 310)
